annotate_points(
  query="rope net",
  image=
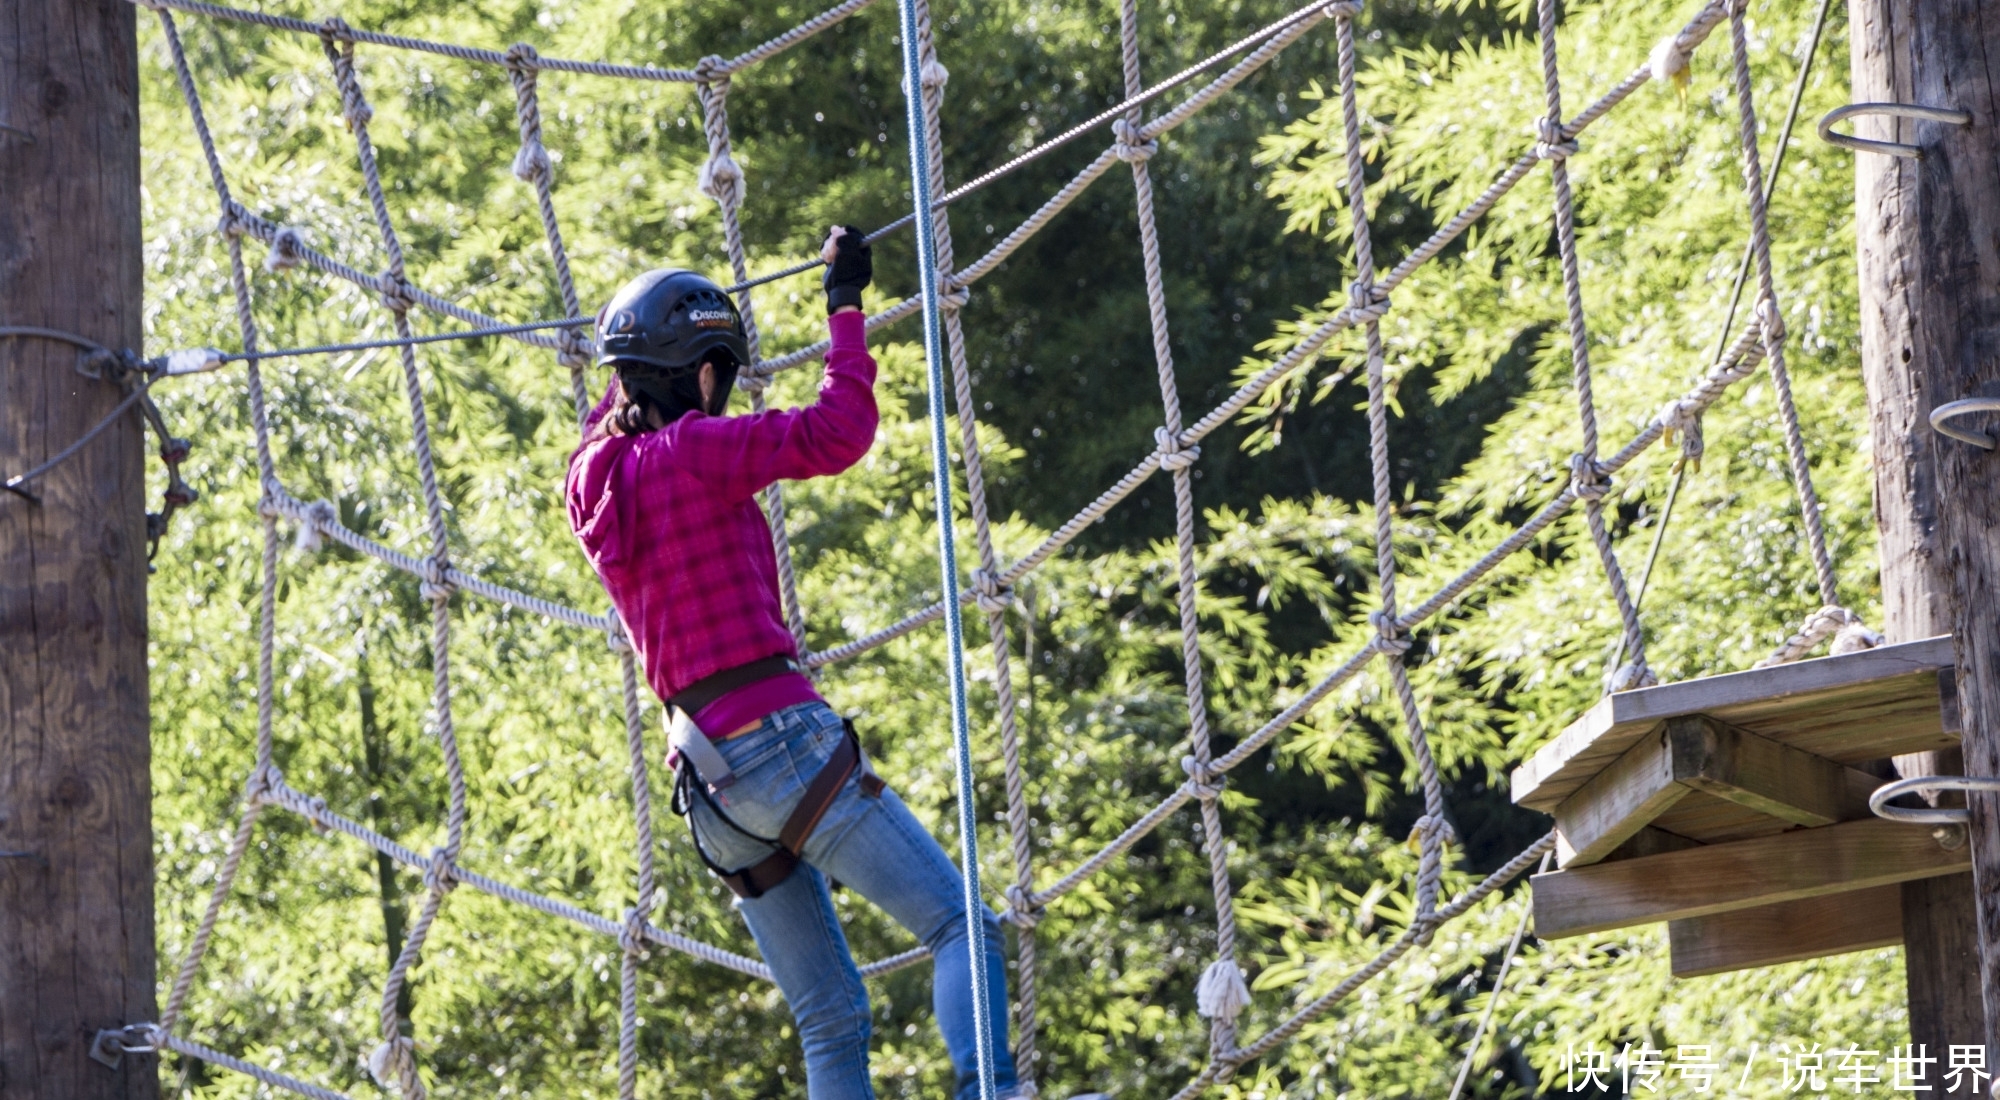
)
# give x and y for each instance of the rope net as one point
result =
(1222, 991)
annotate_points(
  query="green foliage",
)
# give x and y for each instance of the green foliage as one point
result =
(509, 1002)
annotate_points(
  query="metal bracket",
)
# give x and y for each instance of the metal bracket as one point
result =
(112, 1045)
(1941, 416)
(1898, 110)
(1928, 815)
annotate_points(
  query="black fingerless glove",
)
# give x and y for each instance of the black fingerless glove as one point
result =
(853, 268)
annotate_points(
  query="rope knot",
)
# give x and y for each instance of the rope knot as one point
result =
(955, 298)
(264, 782)
(1632, 674)
(1367, 302)
(234, 222)
(615, 635)
(318, 517)
(397, 295)
(522, 59)
(440, 875)
(315, 815)
(752, 381)
(575, 349)
(1174, 454)
(632, 938)
(437, 579)
(1854, 637)
(288, 249)
(1390, 637)
(1683, 418)
(1587, 478)
(385, 1063)
(711, 70)
(1130, 143)
(1205, 782)
(721, 177)
(1553, 141)
(1022, 913)
(994, 598)
(933, 75)
(338, 39)
(1348, 9)
(1771, 320)
(1668, 59)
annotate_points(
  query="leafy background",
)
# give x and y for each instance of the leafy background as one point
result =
(1256, 250)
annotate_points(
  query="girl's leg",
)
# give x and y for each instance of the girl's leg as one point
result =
(800, 938)
(876, 846)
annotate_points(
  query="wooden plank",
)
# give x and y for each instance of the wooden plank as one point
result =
(1754, 786)
(1787, 932)
(1843, 694)
(1762, 775)
(1617, 802)
(1742, 874)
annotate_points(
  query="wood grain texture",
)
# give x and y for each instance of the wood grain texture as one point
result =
(1788, 931)
(1764, 776)
(1851, 708)
(1706, 781)
(1955, 61)
(1617, 802)
(1742, 874)
(1938, 914)
(76, 911)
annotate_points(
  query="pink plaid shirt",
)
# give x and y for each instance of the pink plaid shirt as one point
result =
(671, 522)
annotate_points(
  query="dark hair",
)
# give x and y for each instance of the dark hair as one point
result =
(640, 389)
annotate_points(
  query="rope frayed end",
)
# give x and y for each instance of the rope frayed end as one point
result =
(721, 176)
(191, 361)
(312, 527)
(1222, 993)
(532, 162)
(385, 1062)
(288, 249)
(1669, 59)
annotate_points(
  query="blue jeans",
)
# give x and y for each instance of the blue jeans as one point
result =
(877, 848)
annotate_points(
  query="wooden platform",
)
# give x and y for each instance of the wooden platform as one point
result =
(1736, 807)
(1849, 709)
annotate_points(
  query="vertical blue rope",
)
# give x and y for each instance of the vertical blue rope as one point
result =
(954, 625)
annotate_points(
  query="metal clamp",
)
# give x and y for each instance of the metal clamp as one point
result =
(1928, 815)
(1899, 110)
(110, 1046)
(1941, 416)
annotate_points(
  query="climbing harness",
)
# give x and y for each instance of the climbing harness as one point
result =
(702, 773)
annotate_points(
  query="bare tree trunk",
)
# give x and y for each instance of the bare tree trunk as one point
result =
(76, 859)
(1929, 236)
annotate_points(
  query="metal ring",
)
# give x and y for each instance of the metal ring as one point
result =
(1899, 110)
(1928, 815)
(1941, 416)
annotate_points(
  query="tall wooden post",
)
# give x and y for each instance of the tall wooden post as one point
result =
(76, 860)
(1929, 245)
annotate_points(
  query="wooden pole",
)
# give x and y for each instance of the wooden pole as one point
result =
(76, 859)
(1926, 234)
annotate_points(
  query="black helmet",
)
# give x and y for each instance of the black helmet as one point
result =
(670, 319)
